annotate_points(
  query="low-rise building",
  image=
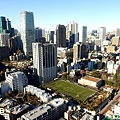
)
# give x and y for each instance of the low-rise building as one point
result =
(50, 111)
(45, 97)
(5, 105)
(90, 81)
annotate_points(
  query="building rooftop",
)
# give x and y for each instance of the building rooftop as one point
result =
(94, 79)
(57, 102)
(31, 115)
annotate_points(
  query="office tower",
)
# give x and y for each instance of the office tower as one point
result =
(4, 39)
(79, 51)
(72, 34)
(12, 44)
(16, 80)
(117, 32)
(44, 62)
(5, 26)
(102, 34)
(61, 36)
(83, 35)
(52, 36)
(27, 31)
(47, 36)
(38, 33)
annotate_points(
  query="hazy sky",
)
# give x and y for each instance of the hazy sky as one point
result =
(49, 13)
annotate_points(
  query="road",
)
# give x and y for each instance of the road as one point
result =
(108, 106)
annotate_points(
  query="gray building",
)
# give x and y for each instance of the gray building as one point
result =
(38, 33)
(27, 31)
(102, 34)
(44, 62)
(61, 36)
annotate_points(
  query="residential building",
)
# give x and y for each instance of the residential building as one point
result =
(51, 111)
(79, 51)
(16, 80)
(44, 62)
(102, 34)
(44, 97)
(4, 39)
(27, 31)
(90, 81)
(61, 36)
(5, 105)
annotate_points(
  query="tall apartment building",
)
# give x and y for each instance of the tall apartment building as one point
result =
(16, 80)
(61, 36)
(27, 31)
(79, 51)
(102, 34)
(44, 62)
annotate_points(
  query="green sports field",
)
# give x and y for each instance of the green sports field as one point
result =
(69, 89)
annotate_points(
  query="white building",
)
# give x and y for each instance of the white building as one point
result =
(44, 62)
(5, 105)
(16, 80)
(27, 31)
(45, 97)
(51, 111)
(110, 66)
(83, 35)
(102, 34)
(90, 81)
(4, 39)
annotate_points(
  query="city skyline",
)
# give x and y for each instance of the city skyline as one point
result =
(47, 14)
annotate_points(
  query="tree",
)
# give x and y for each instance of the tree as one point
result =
(95, 74)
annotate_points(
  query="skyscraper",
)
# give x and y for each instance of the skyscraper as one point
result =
(44, 62)
(38, 33)
(79, 51)
(27, 31)
(61, 36)
(83, 35)
(72, 33)
(102, 34)
(5, 26)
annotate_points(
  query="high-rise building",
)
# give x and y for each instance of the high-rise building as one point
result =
(102, 34)
(83, 35)
(61, 36)
(47, 36)
(5, 26)
(27, 31)
(4, 39)
(44, 62)
(79, 51)
(38, 33)
(72, 33)
(52, 36)
(117, 32)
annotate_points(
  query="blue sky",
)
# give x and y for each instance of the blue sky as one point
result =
(49, 13)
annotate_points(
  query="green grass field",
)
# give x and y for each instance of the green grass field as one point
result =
(77, 92)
